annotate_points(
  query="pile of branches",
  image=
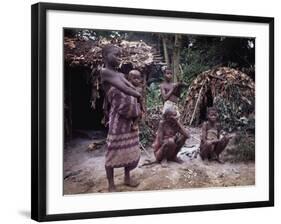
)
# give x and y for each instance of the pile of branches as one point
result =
(231, 92)
(87, 52)
(149, 127)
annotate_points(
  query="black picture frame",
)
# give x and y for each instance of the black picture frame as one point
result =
(39, 122)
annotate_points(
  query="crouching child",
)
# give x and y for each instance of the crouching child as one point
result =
(171, 136)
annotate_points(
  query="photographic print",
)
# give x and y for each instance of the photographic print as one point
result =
(157, 111)
(141, 111)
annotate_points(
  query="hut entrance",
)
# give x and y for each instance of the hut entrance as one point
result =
(78, 89)
(207, 101)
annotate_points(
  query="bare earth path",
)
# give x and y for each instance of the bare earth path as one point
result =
(84, 170)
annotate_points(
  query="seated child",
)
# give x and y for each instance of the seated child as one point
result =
(171, 136)
(136, 79)
(211, 142)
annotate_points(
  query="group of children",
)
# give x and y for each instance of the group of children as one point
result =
(124, 109)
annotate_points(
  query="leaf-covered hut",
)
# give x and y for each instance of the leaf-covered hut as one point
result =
(231, 91)
(82, 63)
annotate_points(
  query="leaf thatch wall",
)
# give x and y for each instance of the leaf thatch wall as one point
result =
(230, 91)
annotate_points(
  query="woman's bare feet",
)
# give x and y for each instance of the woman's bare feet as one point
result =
(164, 163)
(111, 188)
(128, 180)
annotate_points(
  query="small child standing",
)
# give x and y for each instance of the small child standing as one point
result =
(211, 142)
(170, 91)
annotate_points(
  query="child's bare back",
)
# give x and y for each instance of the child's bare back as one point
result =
(135, 79)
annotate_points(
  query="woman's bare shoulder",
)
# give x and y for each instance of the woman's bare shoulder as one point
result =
(108, 75)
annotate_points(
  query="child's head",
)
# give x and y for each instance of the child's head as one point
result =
(168, 74)
(135, 77)
(169, 113)
(112, 55)
(212, 114)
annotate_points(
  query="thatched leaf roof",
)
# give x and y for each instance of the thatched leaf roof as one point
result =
(81, 52)
(231, 91)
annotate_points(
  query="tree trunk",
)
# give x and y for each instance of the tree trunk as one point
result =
(165, 49)
(176, 57)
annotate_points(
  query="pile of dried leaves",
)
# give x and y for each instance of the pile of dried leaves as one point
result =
(230, 91)
(81, 52)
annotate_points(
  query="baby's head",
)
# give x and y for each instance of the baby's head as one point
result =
(212, 114)
(135, 77)
(169, 113)
(112, 55)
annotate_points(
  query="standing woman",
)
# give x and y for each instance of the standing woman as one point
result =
(122, 109)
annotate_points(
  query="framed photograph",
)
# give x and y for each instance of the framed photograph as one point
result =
(140, 111)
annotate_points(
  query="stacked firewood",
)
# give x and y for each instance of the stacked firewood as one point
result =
(230, 91)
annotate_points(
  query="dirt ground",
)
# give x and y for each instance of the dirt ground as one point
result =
(84, 168)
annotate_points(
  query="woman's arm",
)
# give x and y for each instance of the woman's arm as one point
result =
(126, 81)
(118, 80)
(181, 128)
(121, 85)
